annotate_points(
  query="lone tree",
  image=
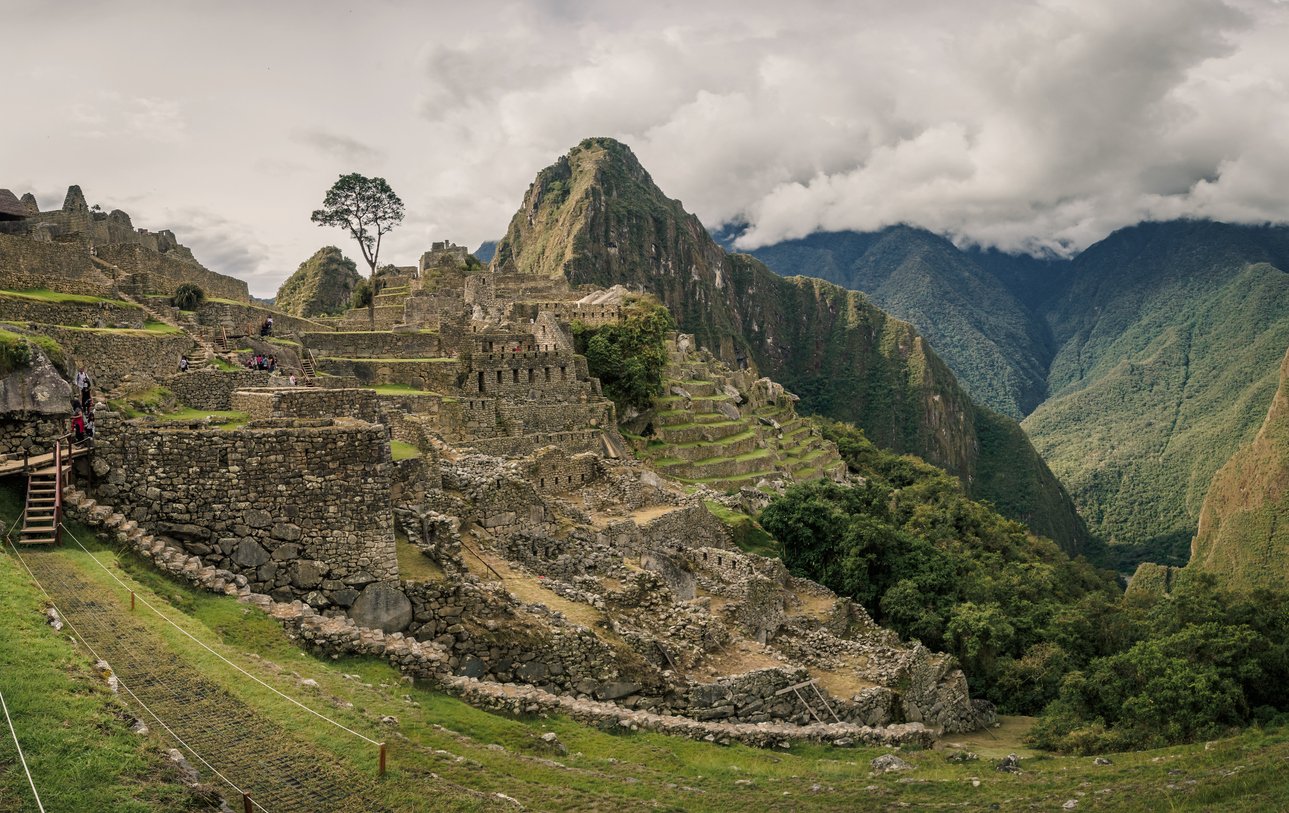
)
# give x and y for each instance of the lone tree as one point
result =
(366, 208)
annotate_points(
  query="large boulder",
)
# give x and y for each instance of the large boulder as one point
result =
(382, 606)
(36, 388)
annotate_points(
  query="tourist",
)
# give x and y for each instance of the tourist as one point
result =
(292, 379)
(83, 384)
(183, 364)
(78, 425)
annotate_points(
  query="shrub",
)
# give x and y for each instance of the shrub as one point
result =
(362, 295)
(629, 358)
(188, 297)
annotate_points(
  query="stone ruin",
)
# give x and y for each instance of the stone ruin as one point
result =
(544, 550)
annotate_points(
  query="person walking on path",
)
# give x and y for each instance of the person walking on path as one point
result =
(83, 384)
(183, 364)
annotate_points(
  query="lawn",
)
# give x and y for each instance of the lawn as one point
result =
(401, 450)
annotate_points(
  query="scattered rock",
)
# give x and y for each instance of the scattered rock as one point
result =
(552, 741)
(1070, 804)
(1101, 761)
(961, 756)
(1009, 764)
(888, 763)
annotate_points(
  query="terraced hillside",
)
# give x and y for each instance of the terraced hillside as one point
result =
(718, 427)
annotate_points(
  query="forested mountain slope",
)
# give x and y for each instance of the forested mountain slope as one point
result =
(595, 216)
(1170, 337)
(1244, 524)
(996, 346)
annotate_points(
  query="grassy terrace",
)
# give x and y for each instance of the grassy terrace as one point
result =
(445, 755)
(400, 450)
(58, 297)
(217, 418)
(398, 389)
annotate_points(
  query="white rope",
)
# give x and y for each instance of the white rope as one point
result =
(317, 714)
(21, 758)
(68, 621)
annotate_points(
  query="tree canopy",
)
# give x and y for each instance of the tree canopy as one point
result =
(365, 207)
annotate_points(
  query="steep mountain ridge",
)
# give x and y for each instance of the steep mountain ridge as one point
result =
(596, 217)
(1243, 535)
(996, 346)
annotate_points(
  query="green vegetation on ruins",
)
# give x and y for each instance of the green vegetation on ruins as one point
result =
(629, 357)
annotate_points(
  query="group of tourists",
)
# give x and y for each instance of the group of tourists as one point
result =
(259, 361)
(82, 409)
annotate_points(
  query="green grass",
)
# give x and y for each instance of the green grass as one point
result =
(398, 389)
(141, 402)
(223, 418)
(748, 535)
(401, 450)
(58, 297)
(225, 366)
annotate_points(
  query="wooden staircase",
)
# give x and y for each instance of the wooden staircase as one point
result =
(42, 519)
(308, 366)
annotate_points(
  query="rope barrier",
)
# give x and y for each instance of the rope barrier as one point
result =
(317, 714)
(68, 621)
(21, 757)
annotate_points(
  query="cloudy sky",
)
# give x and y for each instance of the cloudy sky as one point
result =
(1026, 125)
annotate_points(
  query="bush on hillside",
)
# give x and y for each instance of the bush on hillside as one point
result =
(188, 297)
(362, 295)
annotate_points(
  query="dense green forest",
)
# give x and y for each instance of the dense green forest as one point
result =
(1036, 631)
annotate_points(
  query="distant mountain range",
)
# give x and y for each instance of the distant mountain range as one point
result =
(1139, 366)
(596, 216)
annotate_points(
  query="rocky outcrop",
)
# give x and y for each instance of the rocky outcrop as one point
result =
(321, 286)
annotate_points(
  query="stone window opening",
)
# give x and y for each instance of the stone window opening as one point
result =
(548, 373)
(481, 381)
(499, 376)
(563, 373)
(514, 374)
(530, 374)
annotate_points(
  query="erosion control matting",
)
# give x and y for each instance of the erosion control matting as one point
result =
(281, 772)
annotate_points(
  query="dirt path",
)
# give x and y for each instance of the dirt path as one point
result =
(281, 772)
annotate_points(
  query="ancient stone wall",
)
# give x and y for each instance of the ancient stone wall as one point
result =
(308, 402)
(471, 417)
(378, 344)
(244, 317)
(153, 273)
(80, 314)
(31, 434)
(430, 375)
(538, 416)
(110, 355)
(555, 471)
(213, 389)
(569, 312)
(300, 511)
(27, 264)
(572, 442)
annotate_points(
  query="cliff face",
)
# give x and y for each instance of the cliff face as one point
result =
(595, 216)
(1244, 524)
(321, 285)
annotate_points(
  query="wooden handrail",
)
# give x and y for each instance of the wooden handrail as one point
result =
(58, 491)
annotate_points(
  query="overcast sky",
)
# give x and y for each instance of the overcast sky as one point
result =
(1026, 125)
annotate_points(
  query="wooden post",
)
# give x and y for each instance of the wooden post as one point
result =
(246, 803)
(382, 759)
(131, 599)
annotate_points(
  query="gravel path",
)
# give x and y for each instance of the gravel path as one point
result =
(281, 772)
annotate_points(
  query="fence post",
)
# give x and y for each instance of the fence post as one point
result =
(382, 759)
(131, 599)
(246, 803)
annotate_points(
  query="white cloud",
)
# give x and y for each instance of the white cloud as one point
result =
(1026, 125)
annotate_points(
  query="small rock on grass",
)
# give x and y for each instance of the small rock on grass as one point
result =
(888, 763)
